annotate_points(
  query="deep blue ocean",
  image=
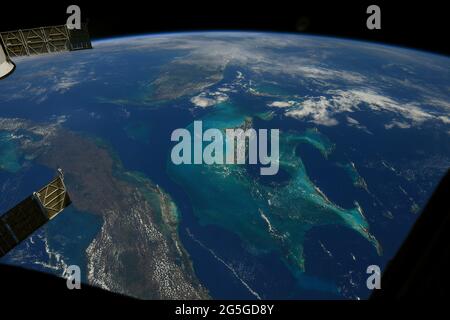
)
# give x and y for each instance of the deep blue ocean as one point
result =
(139, 135)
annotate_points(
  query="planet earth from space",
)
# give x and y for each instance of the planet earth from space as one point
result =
(364, 138)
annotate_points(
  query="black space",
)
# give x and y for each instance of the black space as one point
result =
(421, 25)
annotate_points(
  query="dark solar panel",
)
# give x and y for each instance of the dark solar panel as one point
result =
(7, 241)
(25, 218)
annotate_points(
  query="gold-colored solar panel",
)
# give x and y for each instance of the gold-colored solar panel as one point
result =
(54, 197)
(44, 40)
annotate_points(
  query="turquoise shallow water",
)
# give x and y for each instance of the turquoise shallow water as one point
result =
(267, 217)
(10, 159)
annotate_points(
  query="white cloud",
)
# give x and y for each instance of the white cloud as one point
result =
(209, 99)
(203, 102)
(444, 119)
(64, 85)
(51, 80)
(281, 104)
(329, 74)
(69, 78)
(353, 121)
(323, 109)
(375, 101)
(398, 124)
(318, 110)
(445, 105)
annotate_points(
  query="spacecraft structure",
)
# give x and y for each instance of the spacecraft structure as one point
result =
(6, 65)
(30, 214)
(43, 40)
